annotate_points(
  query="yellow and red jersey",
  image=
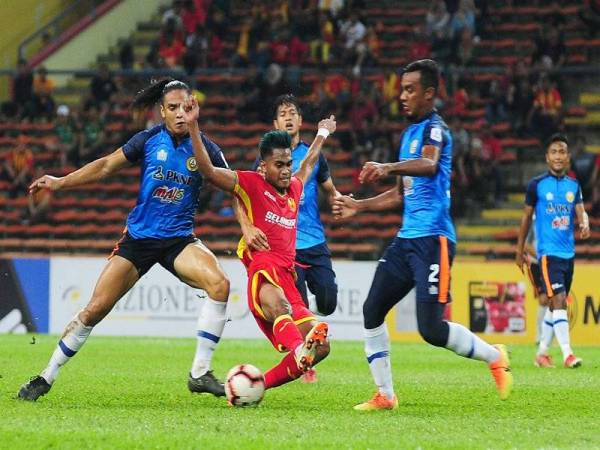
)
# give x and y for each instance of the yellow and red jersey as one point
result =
(274, 214)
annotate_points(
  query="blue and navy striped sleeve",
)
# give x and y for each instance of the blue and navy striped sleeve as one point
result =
(134, 148)
(531, 194)
(323, 174)
(214, 152)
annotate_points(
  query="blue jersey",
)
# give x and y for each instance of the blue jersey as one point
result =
(554, 199)
(427, 199)
(310, 230)
(170, 183)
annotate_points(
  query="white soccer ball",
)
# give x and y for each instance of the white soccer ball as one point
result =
(245, 385)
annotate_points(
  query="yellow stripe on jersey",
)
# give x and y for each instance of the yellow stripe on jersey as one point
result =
(243, 196)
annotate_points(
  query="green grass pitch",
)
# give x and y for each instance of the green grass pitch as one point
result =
(131, 393)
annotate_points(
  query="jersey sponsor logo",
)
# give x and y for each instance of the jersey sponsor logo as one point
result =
(191, 164)
(413, 146)
(291, 204)
(270, 196)
(561, 223)
(179, 178)
(570, 196)
(549, 196)
(271, 217)
(158, 173)
(558, 208)
(168, 195)
(162, 155)
(436, 134)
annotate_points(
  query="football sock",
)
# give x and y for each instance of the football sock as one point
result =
(75, 335)
(287, 370)
(464, 343)
(377, 349)
(540, 322)
(211, 322)
(561, 330)
(547, 333)
(287, 335)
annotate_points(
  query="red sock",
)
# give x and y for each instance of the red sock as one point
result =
(284, 372)
(286, 333)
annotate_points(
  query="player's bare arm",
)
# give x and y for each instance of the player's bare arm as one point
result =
(326, 127)
(330, 190)
(224, 179)
(423, 167)
(347, 206)
(523, 231)
(253, 235)
(90, 173)
(584, 221)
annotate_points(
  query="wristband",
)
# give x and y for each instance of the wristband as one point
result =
(323, 132)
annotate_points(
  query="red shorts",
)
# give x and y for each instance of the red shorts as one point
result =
(283, 278)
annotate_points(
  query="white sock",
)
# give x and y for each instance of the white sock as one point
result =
(211, 322)
(465, 343)
(377, 348)
(547, 333)
(561, 330)
(76, 333)
(540, 322)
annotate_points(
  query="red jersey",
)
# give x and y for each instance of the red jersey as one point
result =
(273, 213)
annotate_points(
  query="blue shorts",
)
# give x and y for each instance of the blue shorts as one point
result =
(314, 268)
(535, 276)
(423, 263)
(557, 275)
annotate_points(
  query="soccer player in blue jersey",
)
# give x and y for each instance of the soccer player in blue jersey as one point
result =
(159, 230)
(313, 258)
(421, 254)
(555, 199)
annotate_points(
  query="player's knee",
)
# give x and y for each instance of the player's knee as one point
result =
(218, 289)
(433, 334)
(372, 315)
(326, 301)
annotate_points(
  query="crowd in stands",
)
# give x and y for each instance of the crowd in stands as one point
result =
(277, 38)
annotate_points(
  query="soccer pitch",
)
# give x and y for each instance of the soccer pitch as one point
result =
(131, 393)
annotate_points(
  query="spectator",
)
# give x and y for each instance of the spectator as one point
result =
(173, 15)
(495, 110)
(461, 139)
(550, 49)
(126, 55)
(519, 101)
(460, 100)
(353, 33)
(23, 86)
(38, 203)
(171, 50)
(42, 85)
(332, 7)
(437, 19)
(18, 168)
(491, 155)
(92, 139)
(363, 118)
(545, 116)
(102, 86)
(66, 131)
(463, 19)
(196, 53)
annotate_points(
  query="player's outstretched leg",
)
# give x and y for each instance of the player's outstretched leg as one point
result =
(377, 349)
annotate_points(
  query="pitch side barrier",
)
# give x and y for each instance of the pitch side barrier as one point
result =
(493, 299)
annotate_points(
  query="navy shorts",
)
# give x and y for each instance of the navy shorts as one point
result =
(314, 268)
(557, 275)
(423, 263)
(535, 276)
(144, 253)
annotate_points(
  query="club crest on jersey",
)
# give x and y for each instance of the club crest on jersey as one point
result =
(291, 204)
(162, 154)
(549, 196)
(413, 146)
(168, 195)
(191, 164)
(570, 196)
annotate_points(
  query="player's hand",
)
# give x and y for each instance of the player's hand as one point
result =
(344, 206)
(191, 110)
(372, 171)
(584, 230)
(45, 182)
(520, 260)
(255, 238)
(328, 124)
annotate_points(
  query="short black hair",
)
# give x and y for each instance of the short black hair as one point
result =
(430, 72)
(273, 140)
(557, 137)
(285, 99)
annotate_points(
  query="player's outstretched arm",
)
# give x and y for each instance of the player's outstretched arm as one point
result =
(424, 166)
(90, 173)
(326, 127)
(224, 179)
(347, 206)
(584, 221)
(523, 231)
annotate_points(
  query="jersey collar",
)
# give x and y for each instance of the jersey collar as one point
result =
(173, 139)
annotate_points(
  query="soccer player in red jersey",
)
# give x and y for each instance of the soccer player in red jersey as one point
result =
(271, 202)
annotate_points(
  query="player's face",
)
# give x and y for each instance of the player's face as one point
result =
(278, 168)
(415, 100)
(288, 119)
(171, 110)
(558, 157)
